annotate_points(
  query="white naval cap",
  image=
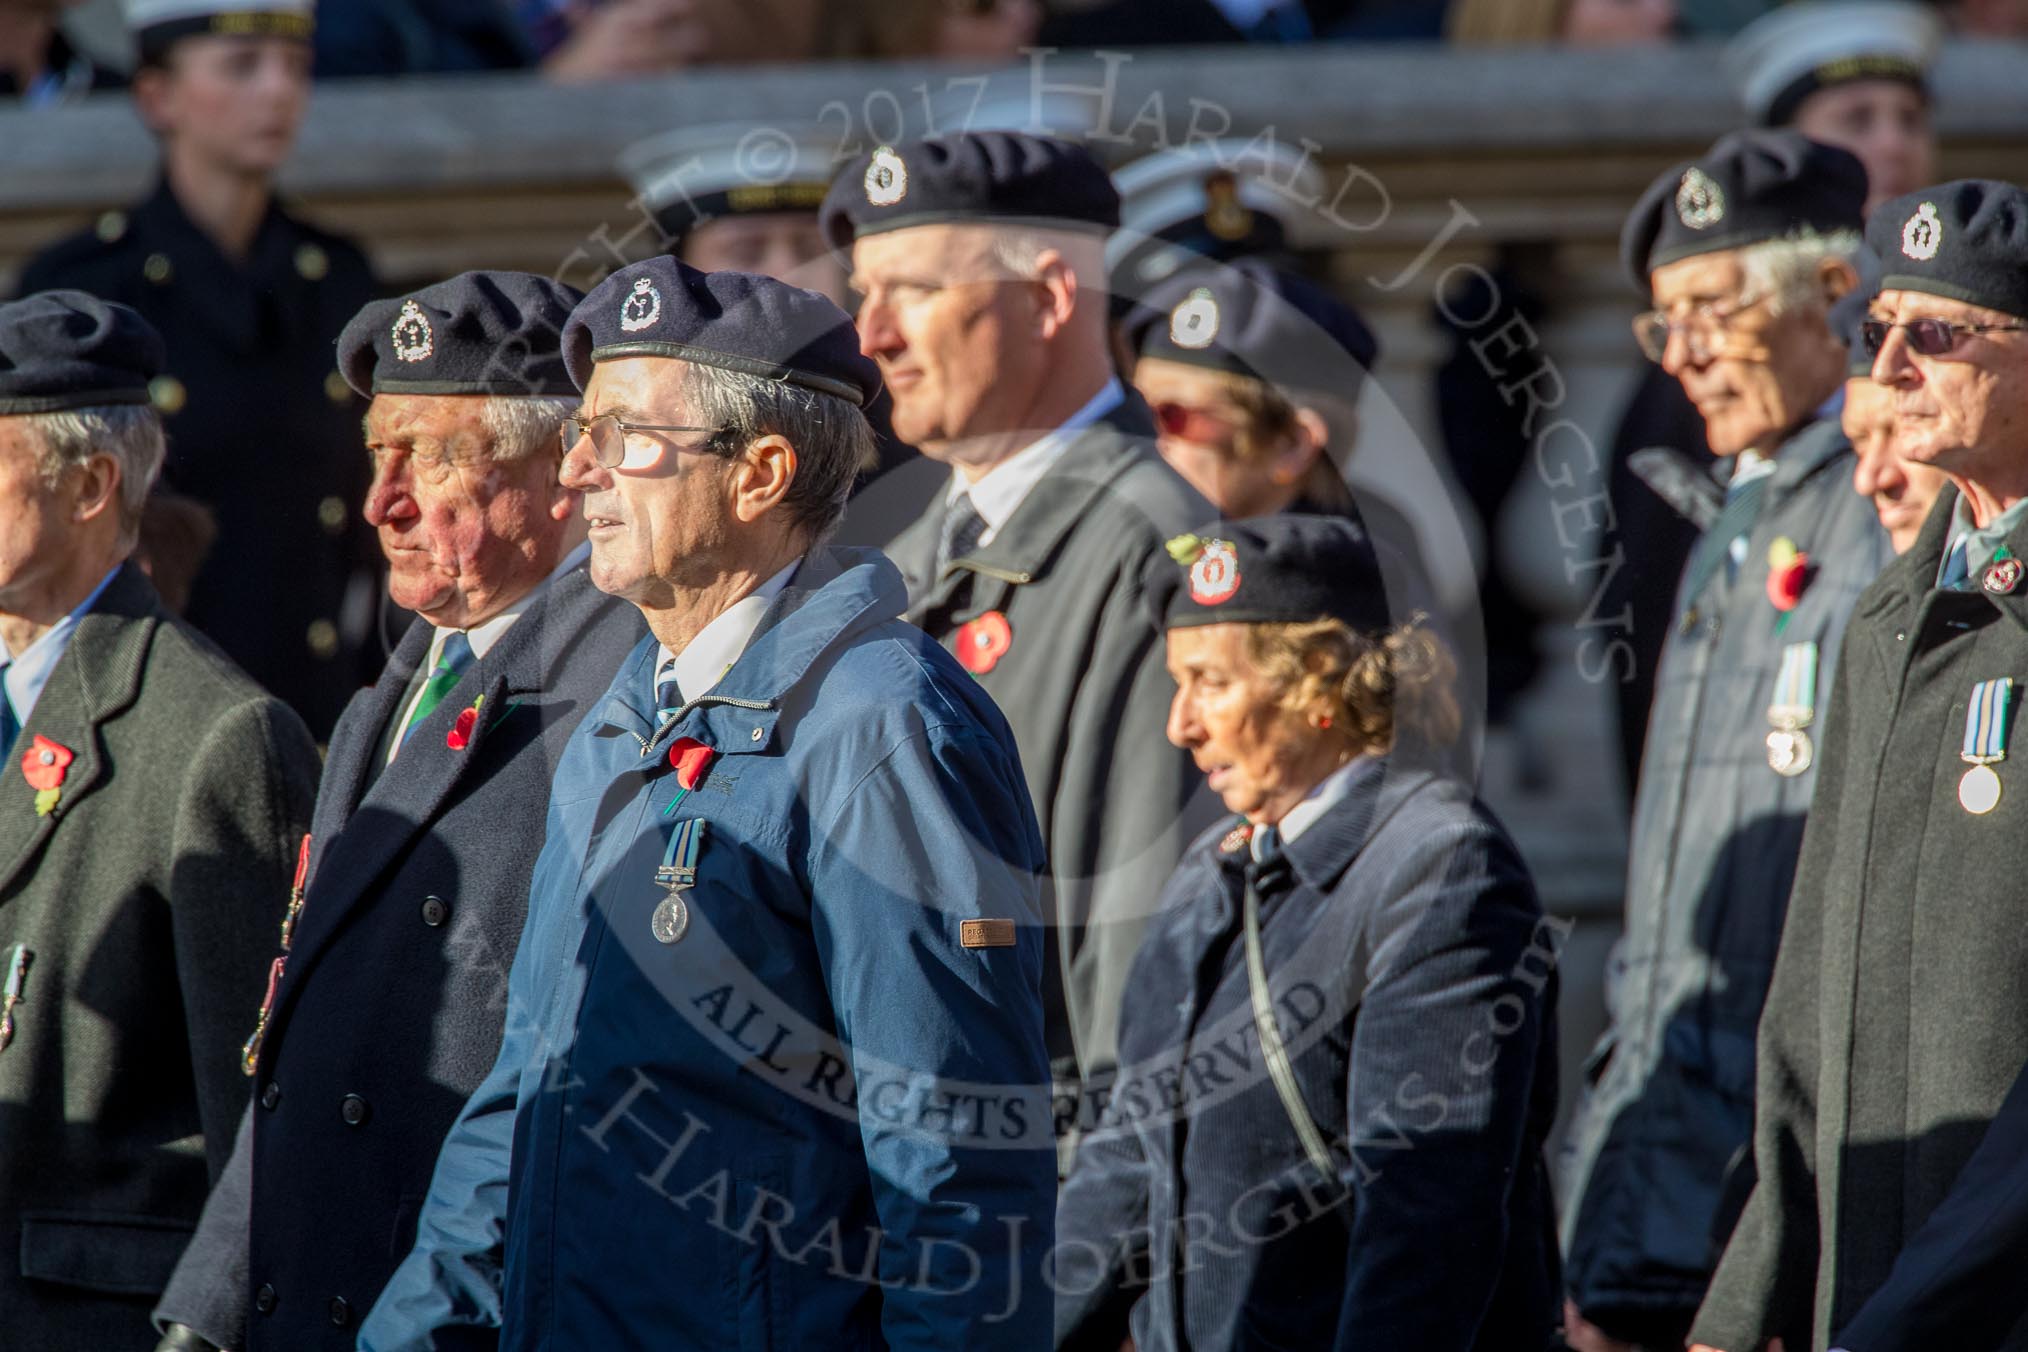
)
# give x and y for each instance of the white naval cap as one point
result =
(1216, 199)
(1788, 54)
(695, 174)
(156, 24)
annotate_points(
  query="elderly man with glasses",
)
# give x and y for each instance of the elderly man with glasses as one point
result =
(1888, 1212)
(1744, 252)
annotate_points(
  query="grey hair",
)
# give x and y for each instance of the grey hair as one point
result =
(833, 440)
(1785, 270)
(1017, 248)
(130, 433)
(519, 426)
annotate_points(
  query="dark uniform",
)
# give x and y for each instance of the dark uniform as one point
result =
(1652, 1182)
(1412, 979)
(391, 1008)
(1896, 1024)
(262, 430)
(150, 809)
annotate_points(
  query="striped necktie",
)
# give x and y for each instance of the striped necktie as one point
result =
(961, 531)
(451, 665)
(668, 696)
(10, 726)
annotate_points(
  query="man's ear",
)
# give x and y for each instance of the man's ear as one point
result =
(98, 488)
(762, 474)
(1056, 287)
(1836, 279)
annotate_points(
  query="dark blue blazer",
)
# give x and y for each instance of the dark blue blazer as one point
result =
(1413, 980)
(390, 1009)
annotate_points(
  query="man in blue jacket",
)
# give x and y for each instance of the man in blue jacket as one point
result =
(774, 1070)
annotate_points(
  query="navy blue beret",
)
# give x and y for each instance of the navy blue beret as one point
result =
(1290, 568)
(1964, 241)
(1249, 319)
(478, 333)
(1752, 186)
(757, 326)
(65, 349)
(993, 177)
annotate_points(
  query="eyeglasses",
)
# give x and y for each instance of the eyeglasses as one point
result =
(1700, 328)
(609, 435)
(1929, 337)
(1197, 425)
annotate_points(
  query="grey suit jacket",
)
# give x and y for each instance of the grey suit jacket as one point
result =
(148, 899)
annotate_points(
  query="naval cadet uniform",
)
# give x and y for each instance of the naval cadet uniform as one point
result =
(1896, 1023)
(392, 972)
(774, 1070)
(1653, 1165)
(1041, 604)
(262, 428)
(151, 803)
(1338, 1066)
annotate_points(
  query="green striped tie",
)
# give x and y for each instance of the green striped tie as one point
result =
(10, 727)
(451, 665)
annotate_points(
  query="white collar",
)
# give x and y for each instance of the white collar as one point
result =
(482, 637)
(1327, 795)
(703, 663)
(24, 677)
(1000, 491)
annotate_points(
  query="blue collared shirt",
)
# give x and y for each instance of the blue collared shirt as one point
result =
(23, 677)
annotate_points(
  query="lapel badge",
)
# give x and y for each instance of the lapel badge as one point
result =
(411, 336)
(886, 178)
(18, 958)
(460, 735)
(1236, 839)
(44, 764)
(2002, 576)
(642, 307)
(1700, 202)
(1922, 235)
(982, 642)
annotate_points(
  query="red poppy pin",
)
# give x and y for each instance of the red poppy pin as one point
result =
(984, 641)
(460, 735)
(44, 764)
(1213, 565)
(1788, 573)
(690, 758)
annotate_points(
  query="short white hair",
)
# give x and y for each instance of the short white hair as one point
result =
(130, 433)
(1785, 270)
(1019, 249)
(518, 425)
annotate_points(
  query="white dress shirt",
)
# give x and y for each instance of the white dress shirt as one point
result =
(703, 663)
(1330, 792)
(1001, 490)
(23, 677)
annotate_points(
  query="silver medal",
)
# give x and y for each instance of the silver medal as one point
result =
(1789, 752)
(1979, 790)
(671, 919)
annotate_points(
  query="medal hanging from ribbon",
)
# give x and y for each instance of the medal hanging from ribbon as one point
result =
(678, 874)
(1985, 745)
(1789, 752)
(12, 992)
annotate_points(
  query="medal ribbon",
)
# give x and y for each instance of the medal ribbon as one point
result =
(1795, 697)
(1986, 721)
(679, 861)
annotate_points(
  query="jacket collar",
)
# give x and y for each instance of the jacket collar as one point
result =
(1909, 580)
(1320, 855)
(1806, 452)
(98, 677)
(835, 594)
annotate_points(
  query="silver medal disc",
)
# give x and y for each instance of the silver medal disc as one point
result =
(1979, 790)
(1789, 752)
(670, 920)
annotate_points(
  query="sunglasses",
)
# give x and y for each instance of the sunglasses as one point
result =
(608, 435)
(1928, 337)
(1197, 425)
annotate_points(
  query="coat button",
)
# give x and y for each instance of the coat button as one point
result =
(354, 1110)
(264, 1299)
(341, 1313)
(271, 1097)
(435, 911)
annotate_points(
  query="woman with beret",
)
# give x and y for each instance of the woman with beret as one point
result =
(1337, 1055)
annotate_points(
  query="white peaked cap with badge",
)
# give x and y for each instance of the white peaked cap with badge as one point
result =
(1788, 53)
(1172, 188)
(759, 167)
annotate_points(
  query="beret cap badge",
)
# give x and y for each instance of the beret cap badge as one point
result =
(1193, 324)
(886, 178)
(642, 307)
(1213, 565)
(1922, 236)
(1700, 202)
(411, 335)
